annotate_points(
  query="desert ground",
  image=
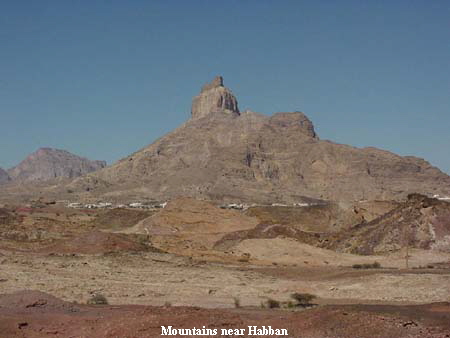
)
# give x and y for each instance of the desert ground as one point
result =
(172, 266)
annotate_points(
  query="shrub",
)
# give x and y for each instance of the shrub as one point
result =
(374, 265)
(97, 299)
(237, 302)
(303, 299)
(273, 304)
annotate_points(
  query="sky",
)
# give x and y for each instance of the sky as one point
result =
(103, 79)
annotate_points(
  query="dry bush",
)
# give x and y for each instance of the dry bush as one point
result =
(97, 299)
(273, 304)
(303, 299)
(374, 265)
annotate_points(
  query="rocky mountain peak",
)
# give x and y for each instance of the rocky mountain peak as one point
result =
(217, 82)
(214, 98)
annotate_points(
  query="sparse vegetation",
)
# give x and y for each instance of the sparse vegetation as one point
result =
(272, 303)
(303, 299)
(374, 265)
(97, 299)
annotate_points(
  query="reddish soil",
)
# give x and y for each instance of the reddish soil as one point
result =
(95, 242)
(35, 314)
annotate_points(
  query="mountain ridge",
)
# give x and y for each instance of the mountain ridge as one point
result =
(228, 155)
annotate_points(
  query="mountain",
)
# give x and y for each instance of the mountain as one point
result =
(48, 163)
(4, 177)
(223, 154)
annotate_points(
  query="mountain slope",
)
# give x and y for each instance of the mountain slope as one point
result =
(48, 163)
(4, 177)
(229, 155)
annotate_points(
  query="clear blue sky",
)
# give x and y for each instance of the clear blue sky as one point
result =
(104, 78)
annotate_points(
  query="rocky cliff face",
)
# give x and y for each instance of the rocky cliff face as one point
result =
(48, 163)
(4, 177)
(214, 98)
(221, 154)
(419, 222)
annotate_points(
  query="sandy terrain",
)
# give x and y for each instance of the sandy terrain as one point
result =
(155, 278)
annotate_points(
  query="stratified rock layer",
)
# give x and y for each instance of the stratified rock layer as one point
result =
(48, 163)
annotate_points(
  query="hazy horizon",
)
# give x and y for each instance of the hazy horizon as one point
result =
(106, 79)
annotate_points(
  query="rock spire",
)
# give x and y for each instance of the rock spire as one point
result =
(214, 98)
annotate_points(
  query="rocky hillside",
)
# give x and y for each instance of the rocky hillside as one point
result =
(48, 163)
(420, 222)
(227, 155)
(4, 177)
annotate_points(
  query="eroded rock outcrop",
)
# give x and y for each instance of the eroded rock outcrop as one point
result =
(214, 98)
(419, 222)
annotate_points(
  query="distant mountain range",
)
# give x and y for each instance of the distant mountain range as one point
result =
(48, 163)
(226, 155)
